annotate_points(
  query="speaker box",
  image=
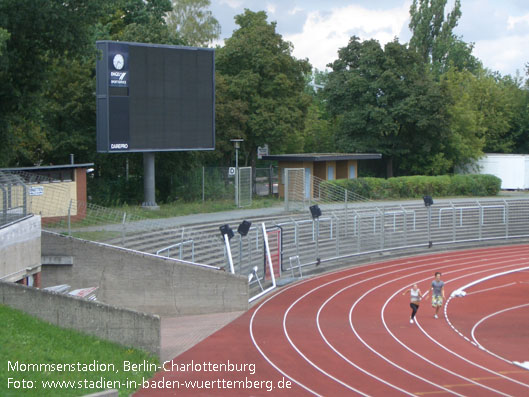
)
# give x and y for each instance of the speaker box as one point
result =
(428, 201)
(226, 229)
(315, 211)
(244, 227)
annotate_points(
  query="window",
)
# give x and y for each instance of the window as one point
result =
(352, 172)
(330, 173)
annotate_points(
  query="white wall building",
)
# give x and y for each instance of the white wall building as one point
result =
(512, 169)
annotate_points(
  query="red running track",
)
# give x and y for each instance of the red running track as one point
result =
(348, 333)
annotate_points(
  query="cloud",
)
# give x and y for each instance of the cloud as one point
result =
(295, 10)
(270, 8)
(513, 21)
(324, 33)
(232, 3)
(504, 54)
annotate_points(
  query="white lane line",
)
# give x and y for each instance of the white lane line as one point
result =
(254, 341)
(475, 282)
(305, 357)
(369, 347)
(342, 355)
(466, 338)
(486, 318)
(444, 347)
(490, 289)
(426, 359)
(270, 361)
(376, 267)
(468, 361)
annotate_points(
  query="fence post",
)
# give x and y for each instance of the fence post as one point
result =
(454, 236)
(429, 226)
(311, 185)
(240, 253)
(382, 226)
(25, 202)
(317, 241)
(286, 188)
(346, 197)
(405, 224)
(69, 220)
(203, 184)
(506, 219)
(295, 235)
(123, 229)
(356, 230)
(337, 234)
(480, 220)
(270, 181)
(4, 203)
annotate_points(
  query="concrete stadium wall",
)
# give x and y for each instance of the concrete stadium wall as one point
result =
(141, 281)
(20, 244)
(123, 326)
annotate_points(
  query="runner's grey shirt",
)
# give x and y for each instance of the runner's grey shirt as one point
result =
(437, 286)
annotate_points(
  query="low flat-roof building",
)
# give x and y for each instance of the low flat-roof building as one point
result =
(52, 191)
(321, 166)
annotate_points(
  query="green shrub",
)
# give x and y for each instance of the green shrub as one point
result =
(419, 186)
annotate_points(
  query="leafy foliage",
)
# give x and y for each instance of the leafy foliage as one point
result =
(385, 101)
(418, 186)
(264, 85)
(196, 25)
(433, 37)
(427, 106)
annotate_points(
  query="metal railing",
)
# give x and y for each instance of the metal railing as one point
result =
(180, 247)
(345, 230)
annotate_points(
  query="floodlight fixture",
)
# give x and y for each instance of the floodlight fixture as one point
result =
(315, 211)
(428, 201)
(237, 142)
(225, 230)
(244, 227)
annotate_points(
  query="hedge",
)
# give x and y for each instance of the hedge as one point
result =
(418, 186)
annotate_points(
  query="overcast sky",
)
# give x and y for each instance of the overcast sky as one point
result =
(317, 29)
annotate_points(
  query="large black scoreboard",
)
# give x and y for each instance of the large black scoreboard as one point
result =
(153, 98)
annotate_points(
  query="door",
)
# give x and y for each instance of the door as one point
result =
(307, 182)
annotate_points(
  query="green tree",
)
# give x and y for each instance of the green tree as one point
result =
(265, 83)
(466, 120)
(494, 98)
(318, 136)
(194, 23)
(520, 121)
(384, 100)
(433, 37)
(39, 34)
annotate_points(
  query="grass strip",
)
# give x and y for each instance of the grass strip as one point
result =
(38, 349)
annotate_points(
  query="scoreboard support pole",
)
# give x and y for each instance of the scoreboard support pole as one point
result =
(149, 182)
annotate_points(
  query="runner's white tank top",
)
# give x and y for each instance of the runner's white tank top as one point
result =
(415, 295)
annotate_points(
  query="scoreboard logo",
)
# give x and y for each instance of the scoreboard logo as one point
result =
(118, 69)
(118, 146)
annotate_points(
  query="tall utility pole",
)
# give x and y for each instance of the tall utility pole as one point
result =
(237, 143)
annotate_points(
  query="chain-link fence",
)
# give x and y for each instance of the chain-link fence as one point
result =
(302, 189)
(266, 181)
(245, 190)
(217, 183)
(13, 198)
